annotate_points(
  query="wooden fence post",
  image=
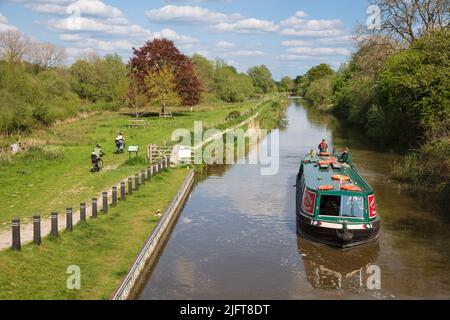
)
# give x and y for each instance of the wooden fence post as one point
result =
(94, 208)
(69, 219)
(105, 202)
(54, 220)
(130, 186)
(136, 182)
(83, 212)
(143, 177)
(149, 173)
(16, 244)
(122, 191)
(37, 240)
(114, 197)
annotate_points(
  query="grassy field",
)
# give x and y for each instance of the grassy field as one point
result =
(56, 174)
(97, 247)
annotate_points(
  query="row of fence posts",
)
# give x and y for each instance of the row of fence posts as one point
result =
(139, 179)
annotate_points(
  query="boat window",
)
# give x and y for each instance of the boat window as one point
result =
(352, 207)
(330, 205)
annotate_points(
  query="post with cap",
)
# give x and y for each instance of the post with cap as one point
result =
(136, 182)
(37, 240)
(105, 202)
(143, 177)
(130, 186)
(122, 191)
(114, 197)
(54, 220)
(94, 208)
(16, 245)
(69, 219)
(83, 212)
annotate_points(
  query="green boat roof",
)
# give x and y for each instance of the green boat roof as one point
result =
(316, 177)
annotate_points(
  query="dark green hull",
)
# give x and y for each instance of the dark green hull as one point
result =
(335, 237)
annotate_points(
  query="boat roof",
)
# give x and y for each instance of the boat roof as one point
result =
(316, 177)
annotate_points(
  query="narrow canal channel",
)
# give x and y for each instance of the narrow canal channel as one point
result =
(236, 237)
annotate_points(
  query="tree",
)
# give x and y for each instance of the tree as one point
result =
(161, 88)
(14, 46)
(159, 52)
(262, 78)
(286, 84)
(100, 78)
(408, 20)
(204, 70)
(47, 55)
(413, 89)
(318, 72)
(136, 98)
(232, 86)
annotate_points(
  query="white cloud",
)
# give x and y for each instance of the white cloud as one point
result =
(245, 53)
(298, 26)
(224, 45)
(293, 57)
(312, 33)
(172, 35)
(319, 51)
(251, 25)
(82, 24)
(4, 25)
(188, 14)
(293, 43)
(70, 37)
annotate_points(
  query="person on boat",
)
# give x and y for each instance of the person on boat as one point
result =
(345, 156)
(323, 146)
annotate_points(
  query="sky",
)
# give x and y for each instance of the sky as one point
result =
(289, 36)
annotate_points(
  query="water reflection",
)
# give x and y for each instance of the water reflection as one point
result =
(328, 268)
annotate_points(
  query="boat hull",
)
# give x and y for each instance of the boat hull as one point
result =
(337, 237)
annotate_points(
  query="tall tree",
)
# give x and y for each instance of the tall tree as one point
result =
(47, 55)
(262, 78)
(410, 19)
(161, 88)
(159, 52)
(14, 46)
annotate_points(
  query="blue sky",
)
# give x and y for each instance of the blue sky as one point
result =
(287, 36)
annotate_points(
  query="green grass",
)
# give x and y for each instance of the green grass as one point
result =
(96, 246)
(57, 174)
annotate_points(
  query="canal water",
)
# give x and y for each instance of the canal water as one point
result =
(236, 237)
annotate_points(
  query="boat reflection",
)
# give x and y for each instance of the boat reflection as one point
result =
(331, 269)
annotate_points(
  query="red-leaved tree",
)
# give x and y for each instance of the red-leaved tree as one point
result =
(159, 52)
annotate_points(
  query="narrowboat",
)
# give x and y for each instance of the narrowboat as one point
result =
(335, 205)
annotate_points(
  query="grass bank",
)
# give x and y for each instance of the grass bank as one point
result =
(55, 174)
(103, 248)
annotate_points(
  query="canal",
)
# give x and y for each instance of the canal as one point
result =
(236, 237)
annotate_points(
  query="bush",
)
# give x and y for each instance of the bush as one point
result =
(39, 153)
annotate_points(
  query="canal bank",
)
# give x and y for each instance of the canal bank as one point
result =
(236, 236)
(103, 249)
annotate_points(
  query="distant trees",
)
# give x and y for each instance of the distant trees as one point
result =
(222, 82)
(100, 78)
(46, 55)
(286, 85)
(154, 54)
(262, 79)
